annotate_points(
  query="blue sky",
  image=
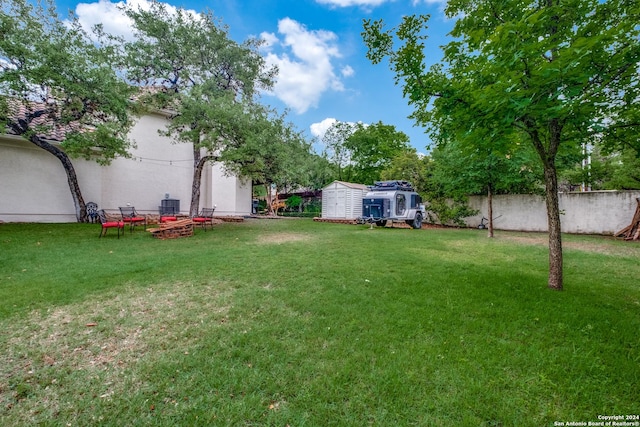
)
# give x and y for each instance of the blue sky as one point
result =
(324, 73)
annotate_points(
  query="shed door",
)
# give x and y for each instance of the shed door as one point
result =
(341, 200)
(330, 203)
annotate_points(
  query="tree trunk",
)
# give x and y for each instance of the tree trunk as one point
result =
(548, 157)
(553, 219)
(198, 165)
(194, 207)
(267, 187)
(490, 208)
(72, 178)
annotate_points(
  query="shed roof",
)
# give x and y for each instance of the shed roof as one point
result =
(349, 185)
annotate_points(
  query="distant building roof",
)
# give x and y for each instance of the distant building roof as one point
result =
(351, 185)
(42, 115)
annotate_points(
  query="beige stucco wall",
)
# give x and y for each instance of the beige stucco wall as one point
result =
(231, 196)
(34, 188)
(596, 212)
(33, 185)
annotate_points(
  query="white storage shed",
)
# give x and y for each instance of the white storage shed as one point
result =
(343, 200)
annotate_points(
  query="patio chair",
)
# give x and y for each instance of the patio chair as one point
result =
(167, 213)
(131, 217)
(92, 211)
(204, 217)
(107, 224)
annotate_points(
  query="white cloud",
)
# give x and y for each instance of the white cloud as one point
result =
(429, 2)
(347, 3)
(305, 64)
(113, 20)
(319, 129)
(304, 57)
(441, 4)
(348, 71)
(270, 39)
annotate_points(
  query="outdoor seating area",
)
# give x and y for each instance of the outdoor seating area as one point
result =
(170, 224)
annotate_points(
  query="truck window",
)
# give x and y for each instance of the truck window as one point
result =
(415, 201)
(401, 204)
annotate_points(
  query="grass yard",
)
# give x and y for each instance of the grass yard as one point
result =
(296, 323)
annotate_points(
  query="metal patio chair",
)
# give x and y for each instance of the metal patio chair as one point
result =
(131, 217)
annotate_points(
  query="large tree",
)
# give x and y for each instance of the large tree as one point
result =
(59, 90)
(551, 71)
(199, 73)
(335, 149)
(460, 170)
(626, 171)
(409, 166)
(268, 151)
(603, 170)
(372, 147)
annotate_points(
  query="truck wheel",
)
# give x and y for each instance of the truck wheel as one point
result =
(417, 222)
(381, 223)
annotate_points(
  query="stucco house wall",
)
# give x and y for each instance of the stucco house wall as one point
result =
(231, 195)
(34, 188)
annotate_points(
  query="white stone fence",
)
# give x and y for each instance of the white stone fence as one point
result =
(594, 212)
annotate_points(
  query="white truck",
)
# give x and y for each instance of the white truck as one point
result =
(392, 201)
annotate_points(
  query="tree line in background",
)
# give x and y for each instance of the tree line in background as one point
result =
(452, 172)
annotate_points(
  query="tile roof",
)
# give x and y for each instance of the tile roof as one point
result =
(40, 116)
(45, 116)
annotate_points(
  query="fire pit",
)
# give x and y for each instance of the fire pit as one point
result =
(173, 229)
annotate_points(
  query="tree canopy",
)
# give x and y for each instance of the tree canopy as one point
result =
(335, 149)
(409, 166)
(555, 72)
(360, 152)
(270, 150)
(195, 70)
(372, 148)
(60, 91)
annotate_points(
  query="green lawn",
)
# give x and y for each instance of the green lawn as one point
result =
(292, 322)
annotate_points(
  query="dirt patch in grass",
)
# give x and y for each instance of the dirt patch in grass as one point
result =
(605, 248)
(280, 238)
(90, 345)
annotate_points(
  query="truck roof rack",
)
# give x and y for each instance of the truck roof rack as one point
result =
(391, 185)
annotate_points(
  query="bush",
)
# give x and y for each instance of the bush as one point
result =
(294, 202)
(449, 212)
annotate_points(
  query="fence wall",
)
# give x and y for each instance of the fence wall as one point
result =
(596, 212)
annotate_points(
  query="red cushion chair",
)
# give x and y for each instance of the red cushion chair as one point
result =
(167, 213)
(131, 217)
(107, 224)
(204, 217)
